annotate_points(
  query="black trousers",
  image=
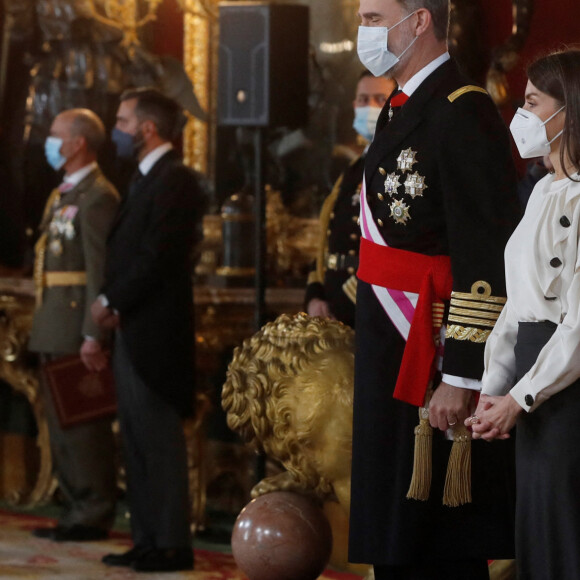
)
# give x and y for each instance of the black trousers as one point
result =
(474, 569)
(155, 459)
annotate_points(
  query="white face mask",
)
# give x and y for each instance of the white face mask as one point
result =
(365, 121)
(529, 133)
(373, 51)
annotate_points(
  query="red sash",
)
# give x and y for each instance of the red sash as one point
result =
(430, 278)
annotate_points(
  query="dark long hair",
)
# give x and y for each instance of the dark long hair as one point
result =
(558, 75)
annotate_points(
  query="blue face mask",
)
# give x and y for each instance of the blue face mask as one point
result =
(365, 121)
(125, 144)
(52, 153)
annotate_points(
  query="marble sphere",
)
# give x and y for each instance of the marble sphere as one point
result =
(282, 536)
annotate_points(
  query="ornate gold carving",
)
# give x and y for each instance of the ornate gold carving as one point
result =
(467, 333)
(16, 312)
(200, 61)
(289, 392)
(124, 16)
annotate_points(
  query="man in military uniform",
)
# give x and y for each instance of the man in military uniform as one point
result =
(331, 290)
(437, 207)
(69, 269)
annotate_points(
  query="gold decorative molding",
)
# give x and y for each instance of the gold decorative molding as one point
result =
(200, 60)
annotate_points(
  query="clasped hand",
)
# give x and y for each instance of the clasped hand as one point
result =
(103, 316)
(494, 417)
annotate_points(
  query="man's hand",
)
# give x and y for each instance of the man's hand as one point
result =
(318, 307)
(450, 405)
(103, 316)
(93, 355)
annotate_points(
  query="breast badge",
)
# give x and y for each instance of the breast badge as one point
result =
(392, 183)
(415, 185)
(62, 226)
(55, 247)
(406, 160)
(400, 212)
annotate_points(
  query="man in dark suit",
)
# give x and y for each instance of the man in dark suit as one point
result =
(331, 289)
(69, 270)
(437, 207)
(147, 295)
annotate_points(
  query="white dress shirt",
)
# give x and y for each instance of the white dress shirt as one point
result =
(543, 283)
(75, 178)
(413, 83)
(153, 157)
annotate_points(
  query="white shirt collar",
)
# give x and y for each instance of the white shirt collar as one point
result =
(413, 83)
(76, 177)
(153, 157)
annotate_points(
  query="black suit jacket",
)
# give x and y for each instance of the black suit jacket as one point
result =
(148, 276)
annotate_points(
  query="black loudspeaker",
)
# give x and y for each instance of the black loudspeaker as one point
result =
(263, 64)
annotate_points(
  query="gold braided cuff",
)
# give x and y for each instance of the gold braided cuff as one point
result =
(478, 308)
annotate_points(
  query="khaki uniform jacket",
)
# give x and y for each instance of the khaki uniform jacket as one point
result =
(76, 224)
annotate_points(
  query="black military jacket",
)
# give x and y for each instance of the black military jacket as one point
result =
(340, 237)
(452, 196)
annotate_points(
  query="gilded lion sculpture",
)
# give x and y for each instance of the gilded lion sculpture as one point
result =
(289, 393)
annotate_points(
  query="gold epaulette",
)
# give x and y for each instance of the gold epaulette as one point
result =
(349, 288)
(479, 308)
(466, 89)
(324, 220)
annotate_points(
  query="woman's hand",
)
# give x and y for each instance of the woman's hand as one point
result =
(494, 417)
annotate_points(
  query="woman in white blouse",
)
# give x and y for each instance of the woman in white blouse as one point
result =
(532, 357)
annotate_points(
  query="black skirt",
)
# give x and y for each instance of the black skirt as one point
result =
(548, 473)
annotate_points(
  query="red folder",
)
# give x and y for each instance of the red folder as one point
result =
(80, 395)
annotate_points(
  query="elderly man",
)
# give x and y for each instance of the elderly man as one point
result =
(437, 207)
(69, 269)
(147, 296)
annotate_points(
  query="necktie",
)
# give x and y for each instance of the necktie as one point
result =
(65, 186)
(397, 101)
(135, 180)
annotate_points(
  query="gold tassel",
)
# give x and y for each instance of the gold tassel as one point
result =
(422, 463)
(458, 480)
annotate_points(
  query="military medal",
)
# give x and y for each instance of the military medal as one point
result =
(355, 199)
(400, 212)
(392, 183)
(415, 185)
(406, 160)
(56, 247)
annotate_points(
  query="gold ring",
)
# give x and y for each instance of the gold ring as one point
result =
(474, 419)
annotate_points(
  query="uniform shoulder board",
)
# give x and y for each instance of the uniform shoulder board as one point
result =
(466, 89)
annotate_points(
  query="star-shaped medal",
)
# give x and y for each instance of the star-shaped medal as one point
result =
(415, 185)
(392, 183)
(406, 160)
(400, 212)
(355, 199)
